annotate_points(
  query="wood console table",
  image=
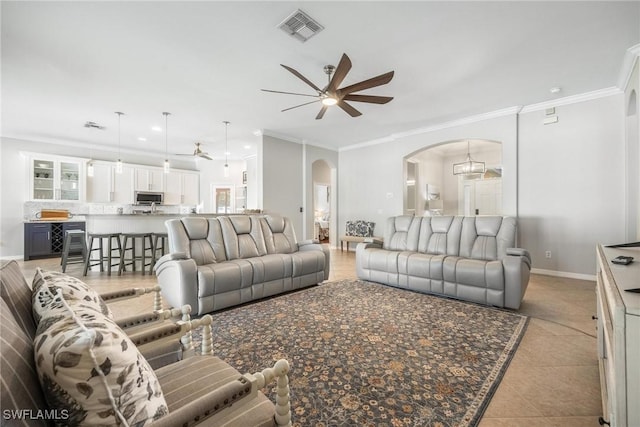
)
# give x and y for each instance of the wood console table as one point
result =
(619, 336)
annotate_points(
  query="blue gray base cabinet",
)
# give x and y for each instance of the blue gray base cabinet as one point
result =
(45, 239)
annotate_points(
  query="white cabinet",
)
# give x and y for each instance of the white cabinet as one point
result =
(618, 335)
(182, 188)
(56, 178)
(108, 186)
(149, 179)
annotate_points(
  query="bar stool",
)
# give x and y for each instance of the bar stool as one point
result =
(159, 244)
(129, 244)
(74, 242)
(111, 238)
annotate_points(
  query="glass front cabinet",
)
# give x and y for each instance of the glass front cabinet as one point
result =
(56, 178)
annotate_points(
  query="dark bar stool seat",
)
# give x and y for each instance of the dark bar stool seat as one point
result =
(74, 248)
(113, 244)
(160, 242)
(134, 249)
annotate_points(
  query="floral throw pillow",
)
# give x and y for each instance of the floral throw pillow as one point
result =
(74, 291)
(360, 228)
(90, 369)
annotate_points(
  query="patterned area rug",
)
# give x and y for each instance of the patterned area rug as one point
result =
(365, 354)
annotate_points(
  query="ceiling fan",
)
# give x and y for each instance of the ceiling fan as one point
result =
(197, 152)
(332, 95)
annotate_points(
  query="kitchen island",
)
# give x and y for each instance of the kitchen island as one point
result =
(133, 223)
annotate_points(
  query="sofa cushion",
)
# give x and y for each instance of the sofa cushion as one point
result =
(243, 237)
(19, 388)
(46, 285)
(90, 368)
(15, 291)
(402, 233)
(279, 236)
(360, 228)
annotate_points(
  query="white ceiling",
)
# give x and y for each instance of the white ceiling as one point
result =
(65, 63)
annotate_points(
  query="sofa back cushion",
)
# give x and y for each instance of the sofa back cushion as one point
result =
(402, 233)
(279, 236)
(487, 237)
(199, 238)
(15, 291)
(242, 236)
(440, 235)
(19, 388)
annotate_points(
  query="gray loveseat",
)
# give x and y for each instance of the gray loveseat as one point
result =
(219, 262)
(469, 258)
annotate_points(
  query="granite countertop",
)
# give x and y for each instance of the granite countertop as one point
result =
(72, 219)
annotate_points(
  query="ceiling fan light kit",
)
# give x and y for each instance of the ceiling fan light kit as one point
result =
(333, 95)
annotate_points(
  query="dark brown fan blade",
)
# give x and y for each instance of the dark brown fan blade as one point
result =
(303, 78)
(288, 93)
(380, 80)
(349, 109)
(368, 98)
(341, 72)
(321, 113)
(296, 106)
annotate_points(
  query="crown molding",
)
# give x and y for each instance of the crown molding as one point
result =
(630, 58)
(574, 99)
(446, 125)
(300, 141)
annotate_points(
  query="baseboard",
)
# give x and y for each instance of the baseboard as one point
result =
(12, 257)
(566, 274)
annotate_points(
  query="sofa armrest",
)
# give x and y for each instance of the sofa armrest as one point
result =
(308, 242)
(125, 294)
(517, 269)
(520, 252)
(374, 240)
(207, 405)
(178, 278)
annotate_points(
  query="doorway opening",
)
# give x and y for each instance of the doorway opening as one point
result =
(322, 201)
(433, 186)
(222, 199)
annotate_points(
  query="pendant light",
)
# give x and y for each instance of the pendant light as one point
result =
(469, 166)
(226, 149)
(167, 167)
(119, 162)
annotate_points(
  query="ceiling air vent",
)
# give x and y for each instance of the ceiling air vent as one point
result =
(301, 26)
(93, 125)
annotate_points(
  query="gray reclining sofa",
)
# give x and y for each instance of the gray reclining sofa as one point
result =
(469, 258)
(215, 263)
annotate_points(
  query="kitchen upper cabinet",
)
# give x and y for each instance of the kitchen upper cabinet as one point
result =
(182, 188)
(99, 185)
(122, 190)
(147, 179)
(108, 186)
(56, 178)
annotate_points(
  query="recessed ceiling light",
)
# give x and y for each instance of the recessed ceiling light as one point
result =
(257, 132)
(142, 138)
(247, 147)
(156, 128)
(227, 153)
(555, 89)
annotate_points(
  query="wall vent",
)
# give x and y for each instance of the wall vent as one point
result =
(301, 26)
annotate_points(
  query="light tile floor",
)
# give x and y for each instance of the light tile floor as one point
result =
(553, 380)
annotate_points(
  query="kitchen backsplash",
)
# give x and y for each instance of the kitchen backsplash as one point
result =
(32, 208)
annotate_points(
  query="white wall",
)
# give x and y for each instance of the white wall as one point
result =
(572, 183)
(371, 177)
(281, 179)
(632, 136)
(569, 188)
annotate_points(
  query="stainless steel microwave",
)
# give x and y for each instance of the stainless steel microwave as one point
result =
(146, 198)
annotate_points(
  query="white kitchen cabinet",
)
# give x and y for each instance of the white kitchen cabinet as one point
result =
(108, 186)
(56, 178)
(149, 179)
(182, 188)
